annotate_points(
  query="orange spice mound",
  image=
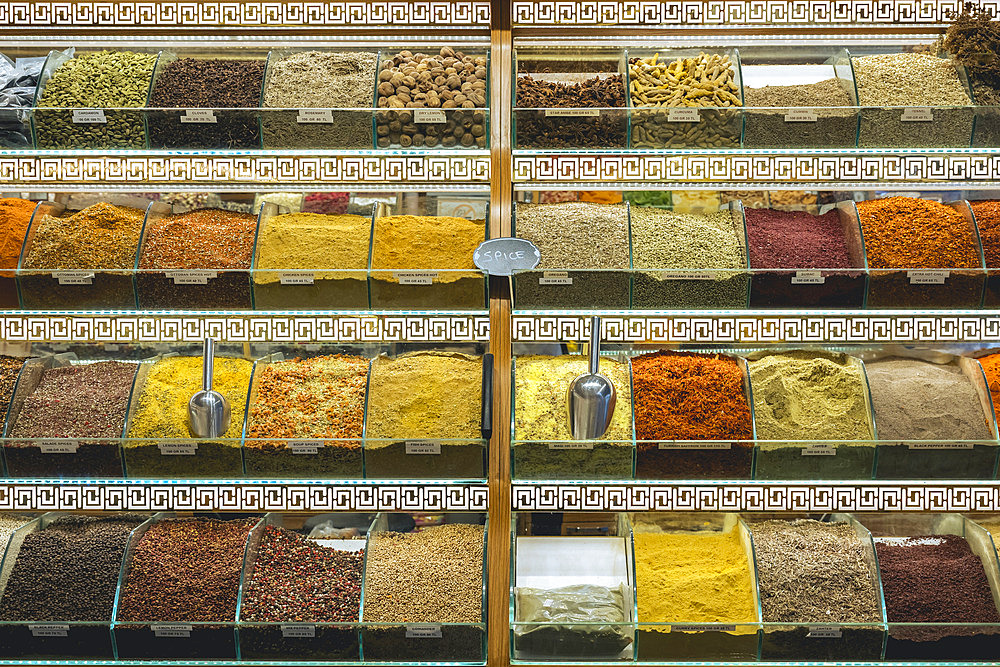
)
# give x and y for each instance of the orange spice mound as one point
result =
(905, 232)
(991, 366)
(988, 219)
(15, 214)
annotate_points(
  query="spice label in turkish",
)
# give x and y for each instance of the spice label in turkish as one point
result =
(423, 631)
(416, 277)
(819, 450)
(112, 347)
(430, 116)
(824, 632)
(74, 277)
(571, 445)
(56, 446)
(686, 275)
(701, 627)
(182, 448)
(694, 444)
(315, 116)
(199, 116)
(423, 447)
(192, 276)
(171, 630)
(942, 445)
(686, 115)
(917, 115)
(305, 446)
(89, 116)
(298, 278)
(572, 113)
(555, 278)
(928, 277)
(298, 630)
(49, 630)
(801, 116)
(808, 278)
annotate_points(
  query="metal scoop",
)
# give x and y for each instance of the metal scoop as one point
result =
(591, 397)
(208, 411)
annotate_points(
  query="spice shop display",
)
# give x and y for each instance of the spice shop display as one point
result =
(584, 255)
(696, 96)
(61, 575)
(425, 261)
(543, 447)
(324, 97)
(10, 369)
(217, 95)
(84, 100)
(18, 81)
(921, 253)
(819, 591)
(814, 408)
(692, 416)
(159, 443)
(196, 260)
(15, 215)
(425, 417)
(82, 259)
(306, 418)
(696, 592)
(987, 215)
(972, 40)
(179, 590)
(991, 369)
(295, 592)
(792, 254)
(432, 99)
(293, 246)
(912, 100)
(67, 419)
(688, 260)
(544, 622)
(570, 100)
(933, 417)
(424, 594)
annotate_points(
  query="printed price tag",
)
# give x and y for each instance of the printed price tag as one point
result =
(917, 115)
(801, 116)
(422, 447)
(192, 276)
(684, 115)
(89, 116)
(60, 347)
(942, 445)
(430, 116)
(297, 278)
(315, 116)
(694, 444)
(423, 631)
(48, 630)
(74, 277)
(686, 275)
(304, 446)
(555, 278)
(824, 632)
(415, 277)
(571, 113)
(819, 450)
(571, 445)
(112, 347)
(808, 278)
(312, 347)
(198, 116)
(694, 627)
(171, 630)
(301, 630)
(182, 448)
(56, 446)
(928, 277)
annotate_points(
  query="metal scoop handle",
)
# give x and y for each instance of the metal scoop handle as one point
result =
(595, 345)
(208, 365)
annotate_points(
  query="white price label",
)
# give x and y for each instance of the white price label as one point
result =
(198, 116)
(422, 447)
(942, 445)
(112, 347)
(430, 116)
(171, 630)
(684, 115)
(315, 116)
(694, 444)
(297, 278)
(182, 448)
(571, 445)
(801, 116)
(298, 630)
(49, 630)
(57, 446)
(424, 631)
(74, 277)
(415, 277)
(312, 347)
(808, 278)
(917, 115)
(555, 278)
(89, 116)
(687, 275)
(819, 450)
(928, 277)
(702, 627)
(304, 446)
(572, 113)
(824, 632)
(192, 276)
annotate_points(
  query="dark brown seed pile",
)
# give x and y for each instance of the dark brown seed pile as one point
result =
(536, 130)
(9, 368)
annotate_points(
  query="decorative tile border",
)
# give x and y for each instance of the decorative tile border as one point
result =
(754, 497)
(528, 13)
(750, 167)
(201, 14)
(757, 328)
(472, 166)
(238, 328)
(240, 496)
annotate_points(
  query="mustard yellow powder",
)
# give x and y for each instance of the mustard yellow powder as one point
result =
(313, 241)
(698, 577)
(427, 243)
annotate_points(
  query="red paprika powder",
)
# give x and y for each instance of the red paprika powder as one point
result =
(910, 233)
(15, 214)
(987, 214)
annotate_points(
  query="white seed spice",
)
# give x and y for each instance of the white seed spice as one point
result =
(908, 79)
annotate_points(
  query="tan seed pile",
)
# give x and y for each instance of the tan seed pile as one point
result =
(908, 79)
